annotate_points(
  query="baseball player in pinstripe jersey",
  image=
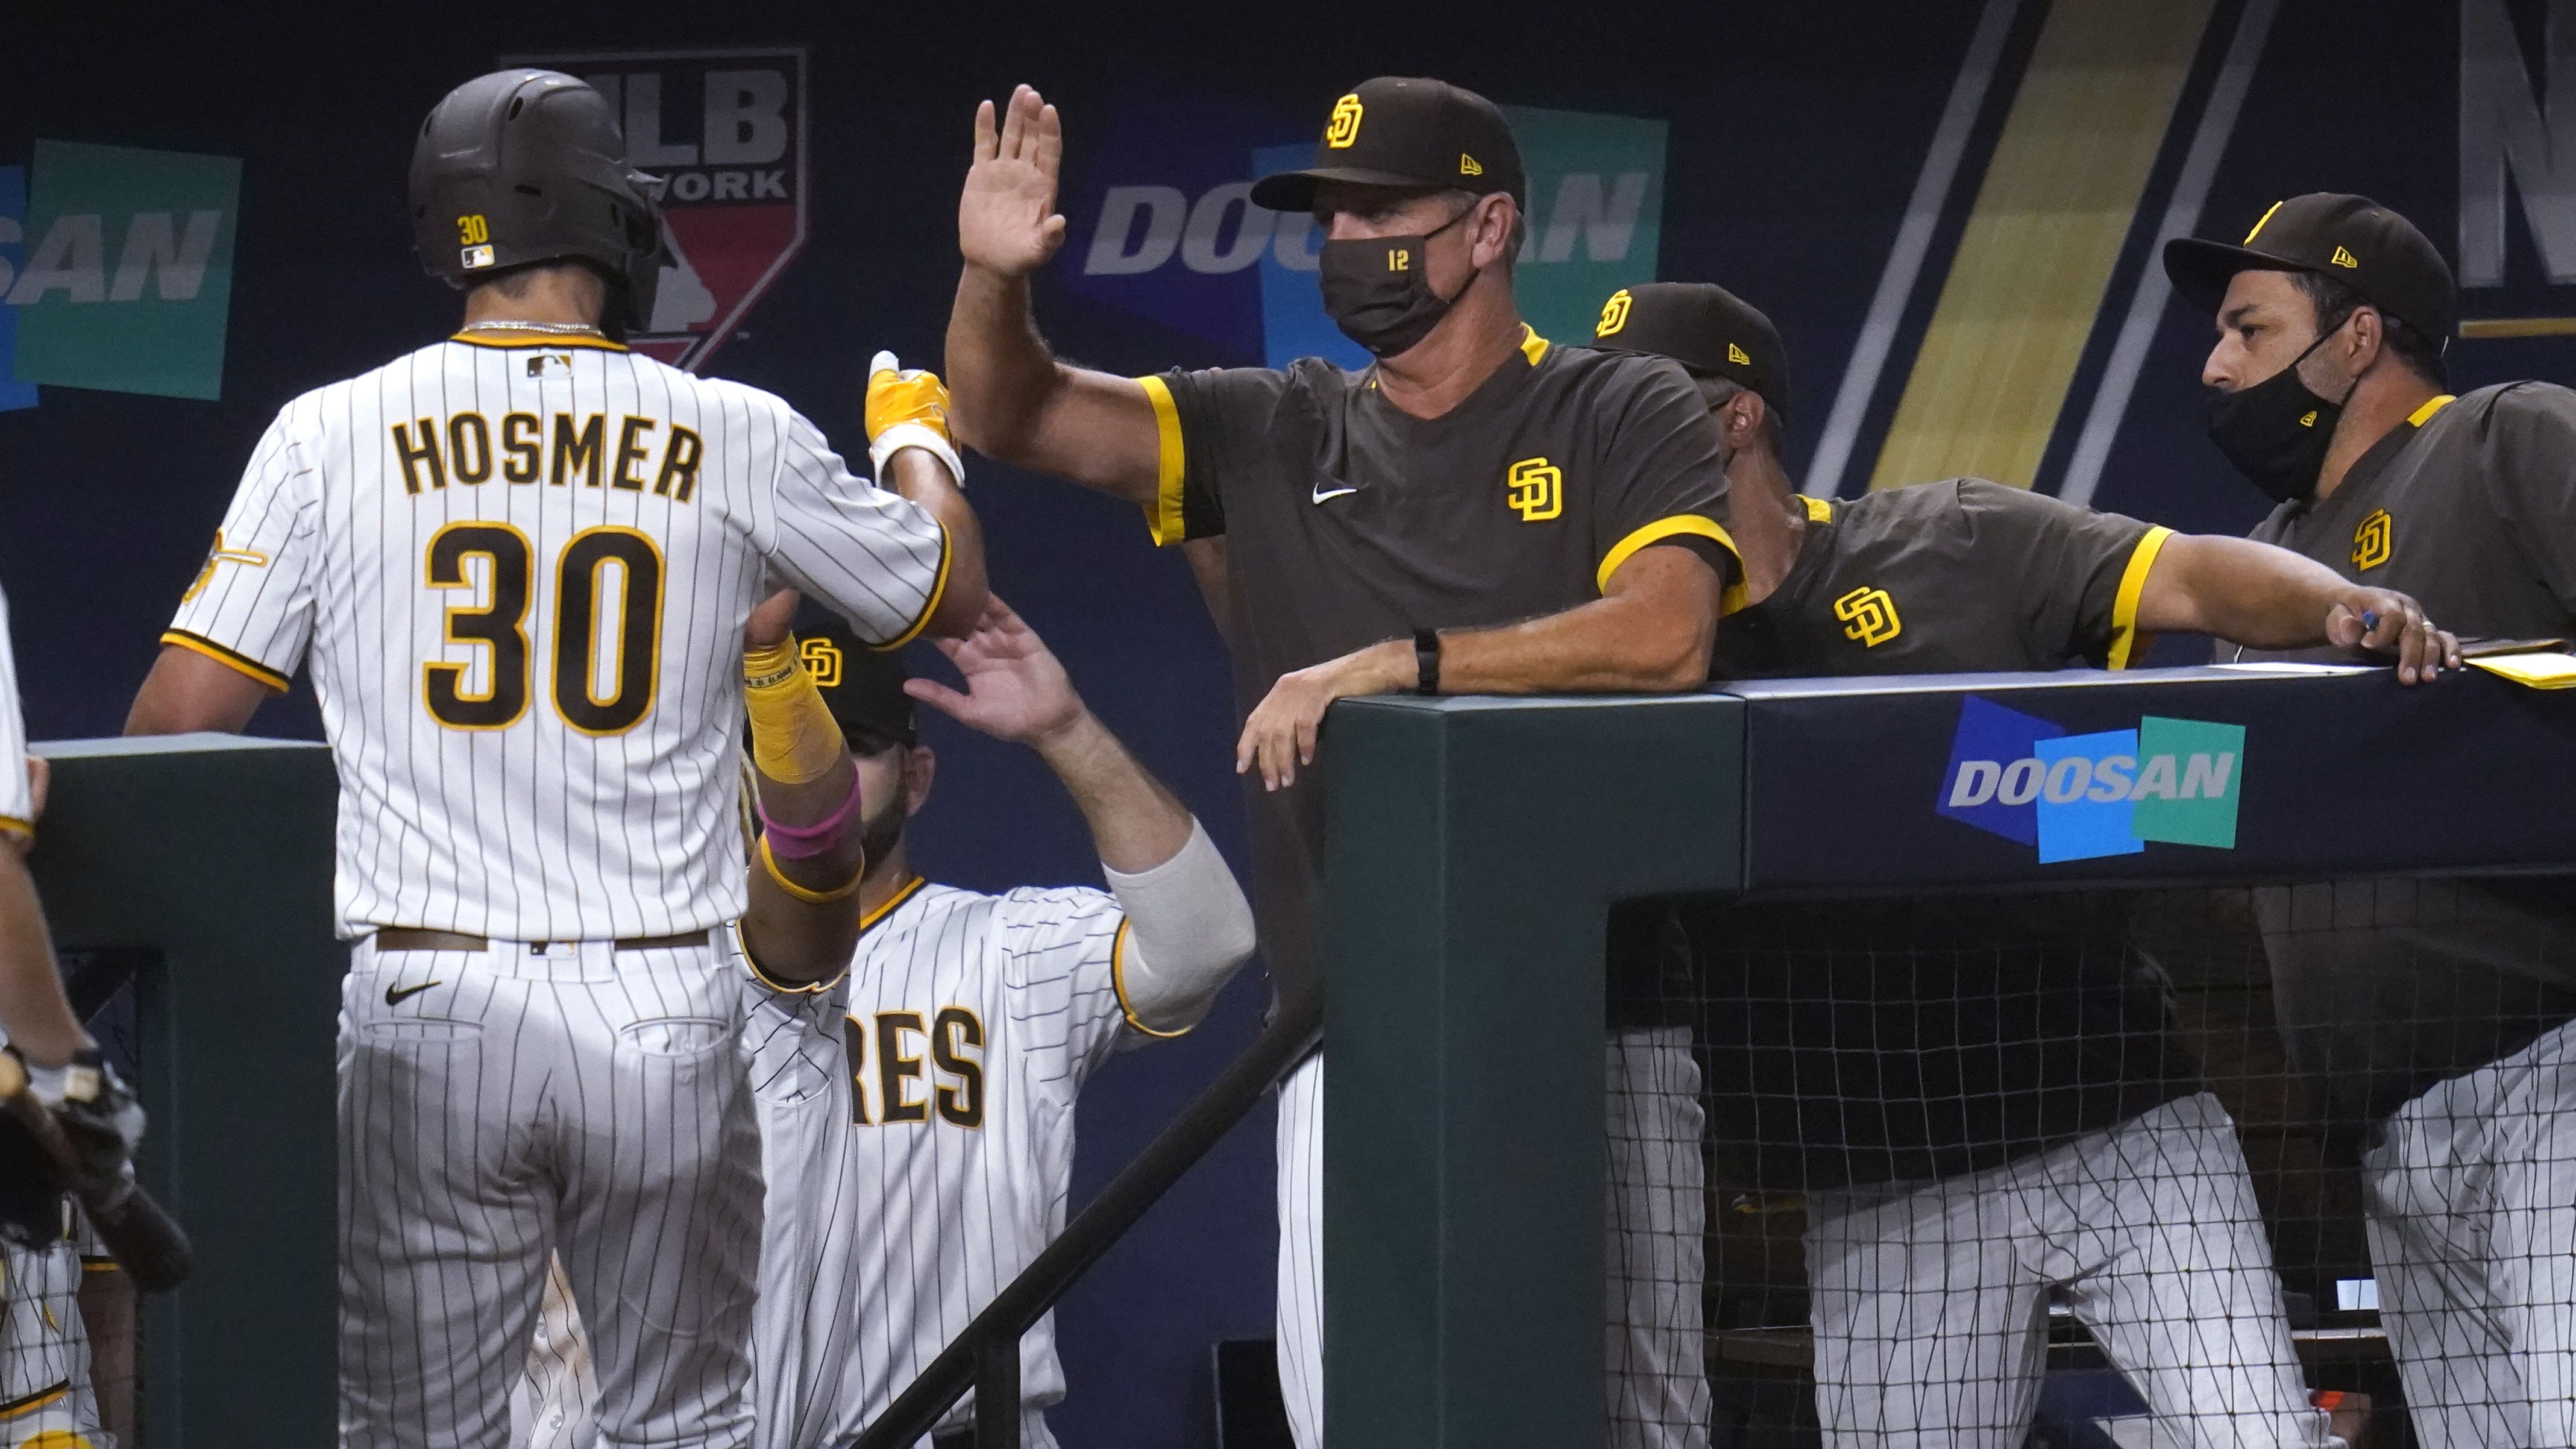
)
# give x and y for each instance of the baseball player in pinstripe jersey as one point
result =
(520, 562)
(916, 1103)
(45, 1397)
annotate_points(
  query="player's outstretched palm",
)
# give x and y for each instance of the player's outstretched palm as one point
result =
(1015, 689)
(1006, 218)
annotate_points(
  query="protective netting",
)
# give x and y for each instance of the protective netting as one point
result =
(2277, 1166)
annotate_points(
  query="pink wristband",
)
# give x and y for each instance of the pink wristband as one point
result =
(795, 842)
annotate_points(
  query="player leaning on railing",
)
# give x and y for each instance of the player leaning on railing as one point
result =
(2122, 1188)
(2429, 1019)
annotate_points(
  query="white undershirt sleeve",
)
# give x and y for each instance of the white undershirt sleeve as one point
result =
(1188, 928)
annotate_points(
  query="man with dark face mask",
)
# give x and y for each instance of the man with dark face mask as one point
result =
(2104, 1165)
(2430, 1018)
(1478, 512)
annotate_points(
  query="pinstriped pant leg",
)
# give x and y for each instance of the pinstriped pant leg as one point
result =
(660, 1157)
(1301, 1250)
(443, 1212)
(1656, 1257)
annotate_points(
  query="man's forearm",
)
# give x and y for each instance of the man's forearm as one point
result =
(1135, 823)
(32, 1005)
(806, 933)
(1649, 639)
(2240, 591)
(918, 475)
(1000, 374)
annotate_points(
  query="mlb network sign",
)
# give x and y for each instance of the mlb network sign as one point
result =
(2080, 797)
(1167, 231)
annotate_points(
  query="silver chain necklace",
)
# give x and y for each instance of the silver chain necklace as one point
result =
(553, 329)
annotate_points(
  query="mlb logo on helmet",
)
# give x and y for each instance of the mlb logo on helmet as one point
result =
(724, 131)
(2080, 797)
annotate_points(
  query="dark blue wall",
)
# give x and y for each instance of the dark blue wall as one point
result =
(1796, 135)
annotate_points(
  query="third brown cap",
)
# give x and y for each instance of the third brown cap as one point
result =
(2352, 239)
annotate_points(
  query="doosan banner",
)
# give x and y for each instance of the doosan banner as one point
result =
(125, 281)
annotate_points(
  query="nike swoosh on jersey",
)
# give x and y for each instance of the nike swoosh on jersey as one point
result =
(1323, 493)
(397, 996)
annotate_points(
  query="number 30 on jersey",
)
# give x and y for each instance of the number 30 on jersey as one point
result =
(603, 651)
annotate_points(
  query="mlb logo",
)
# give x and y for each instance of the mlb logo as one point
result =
(725, 132)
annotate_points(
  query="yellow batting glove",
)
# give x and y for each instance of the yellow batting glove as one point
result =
(908, 409)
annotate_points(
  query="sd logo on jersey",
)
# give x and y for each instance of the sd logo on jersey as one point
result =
(725, 130)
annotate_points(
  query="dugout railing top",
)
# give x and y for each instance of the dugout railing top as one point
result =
(1476, 848)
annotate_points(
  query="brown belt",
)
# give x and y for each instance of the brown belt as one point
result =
(410, 938)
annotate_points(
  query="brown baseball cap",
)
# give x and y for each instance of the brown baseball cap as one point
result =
(1707, 329)
(2352, 239)
(1406, 131)
(862, 686)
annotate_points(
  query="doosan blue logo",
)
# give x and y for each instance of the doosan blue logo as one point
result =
(2081, 797)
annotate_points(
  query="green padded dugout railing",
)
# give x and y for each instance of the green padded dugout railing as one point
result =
(1475, 847)
(214, 853)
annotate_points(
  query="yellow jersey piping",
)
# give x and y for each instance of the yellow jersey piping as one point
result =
(1533, 346)
(2133, 586)
(1656, 532)
(224, 656)
(2424, 414)
(598, 344)
(938, 590)
(1118, 981)
(1163, 515)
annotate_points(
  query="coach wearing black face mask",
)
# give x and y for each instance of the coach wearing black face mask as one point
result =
(1478, 512)
(2332, 317)
(2434, 1021)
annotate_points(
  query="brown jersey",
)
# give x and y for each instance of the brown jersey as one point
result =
(1956, 577)
(2385, 988)
(1349, 521)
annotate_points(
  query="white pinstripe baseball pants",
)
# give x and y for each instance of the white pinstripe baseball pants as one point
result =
(2470, 1199)
(497, 1105)
(1654, 1257)
(1931, 1299)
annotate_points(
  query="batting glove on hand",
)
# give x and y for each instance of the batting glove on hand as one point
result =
(908, 408)
(98, 1113)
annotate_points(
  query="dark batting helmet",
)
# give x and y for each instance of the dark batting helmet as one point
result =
(524, 166)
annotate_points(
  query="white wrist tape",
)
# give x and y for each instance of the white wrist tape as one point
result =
(1188, 928)
(882, 448)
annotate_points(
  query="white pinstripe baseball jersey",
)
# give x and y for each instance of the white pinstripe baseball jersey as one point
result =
(521, 573)
(917, 1130)
(44, 1342)
(17, 805)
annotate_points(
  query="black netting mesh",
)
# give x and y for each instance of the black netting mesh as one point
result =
(2279, 1166)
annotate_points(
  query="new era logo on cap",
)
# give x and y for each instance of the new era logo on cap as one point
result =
(2342, 258)
(1467, 165)
(1738, 356)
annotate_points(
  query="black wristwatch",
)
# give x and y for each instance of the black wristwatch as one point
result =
(1426, 661)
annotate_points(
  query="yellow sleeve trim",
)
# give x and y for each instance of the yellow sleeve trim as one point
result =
(938, 590)
(101, 1265)
(15, 826)
(1533, 346)
(1118, 982)
(224, 656)
(2133, 585)
(1163, 515)
(1656, 532)
(2424, 414)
